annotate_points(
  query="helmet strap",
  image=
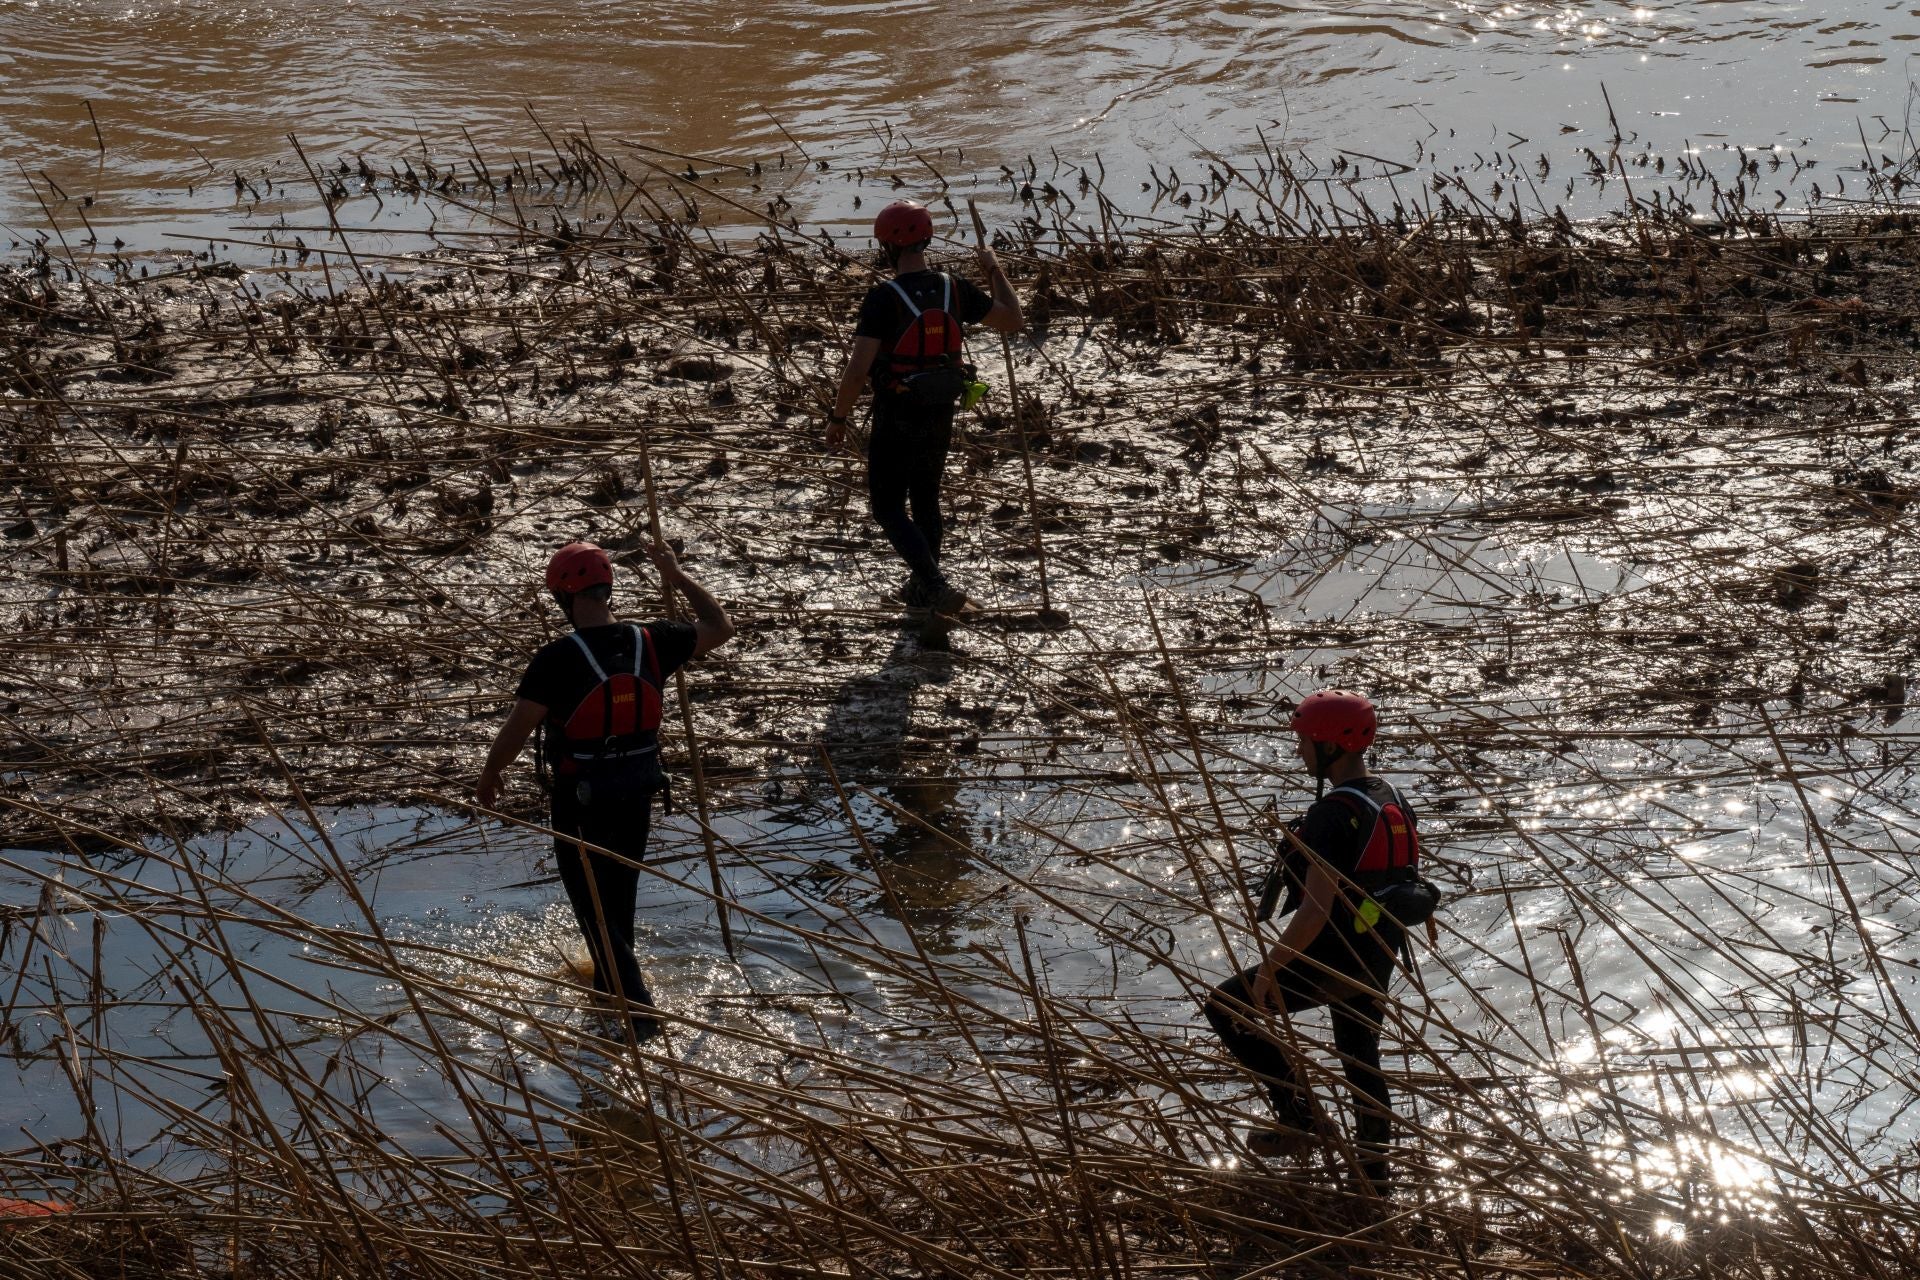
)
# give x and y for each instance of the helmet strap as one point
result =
(1324, 754)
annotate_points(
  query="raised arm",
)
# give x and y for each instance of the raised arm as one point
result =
(711, 625)
(1006, 316)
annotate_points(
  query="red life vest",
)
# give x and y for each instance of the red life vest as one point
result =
(619, 718)
(1392, 850)
(932, 340)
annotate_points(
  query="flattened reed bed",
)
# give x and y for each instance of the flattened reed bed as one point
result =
(1612, 518)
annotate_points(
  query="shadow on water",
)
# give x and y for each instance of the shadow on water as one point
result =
(866, 734)
(870, 715)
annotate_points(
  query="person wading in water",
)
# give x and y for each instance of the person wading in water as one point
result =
(596, 695)
(908, 344)
(1348, 902)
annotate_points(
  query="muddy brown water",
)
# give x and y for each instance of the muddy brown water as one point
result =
(189, 92)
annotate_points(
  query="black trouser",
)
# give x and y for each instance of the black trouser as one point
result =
(1367, 963)
(906, 462)
(589, 876)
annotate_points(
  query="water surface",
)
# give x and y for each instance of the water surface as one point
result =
(188, 92)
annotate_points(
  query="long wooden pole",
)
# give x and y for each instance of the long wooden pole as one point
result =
(1026, 452)
(686, 708)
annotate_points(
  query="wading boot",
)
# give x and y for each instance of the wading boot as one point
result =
(1278, 1143)
(913, 593)
(1295, 1128)
(948, 600)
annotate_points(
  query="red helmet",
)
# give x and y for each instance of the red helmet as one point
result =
(1337, 717)
(577, 566)
(903, 223)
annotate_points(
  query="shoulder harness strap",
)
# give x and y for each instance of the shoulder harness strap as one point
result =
(592, 661)
(905, 298)
(1364, 798)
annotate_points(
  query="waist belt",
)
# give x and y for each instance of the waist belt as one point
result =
(646, 750)
(1371, 880)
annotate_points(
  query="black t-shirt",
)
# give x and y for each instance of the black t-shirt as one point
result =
(558, 678)
(1337, 829)
(883, 315)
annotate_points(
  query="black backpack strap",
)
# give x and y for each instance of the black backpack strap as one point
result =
(1413, 828)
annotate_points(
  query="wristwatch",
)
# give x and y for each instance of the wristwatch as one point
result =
(840, 418)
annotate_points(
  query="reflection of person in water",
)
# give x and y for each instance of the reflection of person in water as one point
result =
(616, 1150)
(928, 862)
(865, 736)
